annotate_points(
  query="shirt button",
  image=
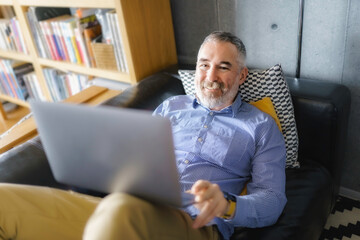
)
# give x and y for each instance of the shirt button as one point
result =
(205, 126)
(211, 113)
(200, 140)
(186, 161)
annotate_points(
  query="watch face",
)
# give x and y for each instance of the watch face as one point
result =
(229, 197)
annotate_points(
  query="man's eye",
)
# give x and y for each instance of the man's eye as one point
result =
(223, 68)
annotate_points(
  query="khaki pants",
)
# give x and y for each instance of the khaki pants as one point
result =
(29, 212)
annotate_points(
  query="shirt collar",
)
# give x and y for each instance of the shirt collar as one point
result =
(233, 108)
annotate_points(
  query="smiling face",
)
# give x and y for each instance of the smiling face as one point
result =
(219, 73)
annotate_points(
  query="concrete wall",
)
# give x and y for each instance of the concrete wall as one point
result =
(331, 45)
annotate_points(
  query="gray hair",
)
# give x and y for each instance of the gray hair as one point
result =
(228, 37)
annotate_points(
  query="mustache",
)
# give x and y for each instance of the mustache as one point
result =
(213, 85)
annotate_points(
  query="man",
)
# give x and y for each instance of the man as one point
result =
(221, 145)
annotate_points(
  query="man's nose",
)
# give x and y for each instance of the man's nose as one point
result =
(212, 74)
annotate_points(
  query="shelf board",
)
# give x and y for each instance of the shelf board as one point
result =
(68, 3)
(15, 100)
(15, 55)
(66, 67)
(6, 2)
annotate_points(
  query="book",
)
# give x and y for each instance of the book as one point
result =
(69, 26)
(42, 47)
(5, 84)
(52, 37)
(62, 85)
(119, 41)
(29, 87)
(83, 23)
(111, 39)
(47, 30)
(90, 34)
(58, 36)
(67, 40)
(22, 42)
(34, 88)
(5, 74)
(19, 70)
(15, 35)
(7, 34)
(81, 46)
(3, 38)
(48, 41)
(52, 86)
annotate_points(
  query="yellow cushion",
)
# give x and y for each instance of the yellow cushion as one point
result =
(266, 106)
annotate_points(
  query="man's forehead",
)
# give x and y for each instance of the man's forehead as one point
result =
(221, 52)
(223, 62)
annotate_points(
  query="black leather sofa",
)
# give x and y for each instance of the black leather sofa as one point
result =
(321, 111)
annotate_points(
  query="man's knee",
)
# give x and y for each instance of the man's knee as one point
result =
(124, 206)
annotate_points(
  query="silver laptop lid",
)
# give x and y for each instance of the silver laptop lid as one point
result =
(109, 149)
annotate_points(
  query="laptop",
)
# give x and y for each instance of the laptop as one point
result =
(109, 149)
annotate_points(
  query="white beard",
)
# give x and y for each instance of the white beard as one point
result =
(209, 100)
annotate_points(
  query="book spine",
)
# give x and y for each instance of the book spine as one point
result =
(52, 42)
(87, 37)
(37, 87)
(14, 80)
(117, 41)
(58, 51)
(71, 27)
(15, 35)
(48, 40)
(112, 39)
(20, 71)
(28, 87)
(25, 50)
(50, 83)
(3, 44)
(81, 46)
(45, 50)
(121, 46)
(68, 85)
(64, 86)
(8, 79)
(11, 39)
(5, 35)
(67, 39)
(4, 83)
(56, 38)
(35, 34)
(62, 40)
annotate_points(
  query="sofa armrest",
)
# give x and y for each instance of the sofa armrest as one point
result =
(27, 164)
(24, 161)
(321, 112)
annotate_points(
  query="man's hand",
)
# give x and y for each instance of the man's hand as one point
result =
(209, 199)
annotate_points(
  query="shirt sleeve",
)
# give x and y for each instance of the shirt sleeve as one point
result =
(265, 197)
(160, 110)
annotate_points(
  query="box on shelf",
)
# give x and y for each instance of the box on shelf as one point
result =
(104, 56)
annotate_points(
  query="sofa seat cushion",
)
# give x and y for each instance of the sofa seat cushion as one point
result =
(309, 193)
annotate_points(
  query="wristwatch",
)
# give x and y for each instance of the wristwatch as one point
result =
(232, 205)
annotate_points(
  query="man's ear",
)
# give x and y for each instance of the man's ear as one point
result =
(243, 75)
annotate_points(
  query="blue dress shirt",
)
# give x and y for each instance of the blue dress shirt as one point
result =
(232, 147)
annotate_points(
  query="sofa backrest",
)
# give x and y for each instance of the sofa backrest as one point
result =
(321, 112)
